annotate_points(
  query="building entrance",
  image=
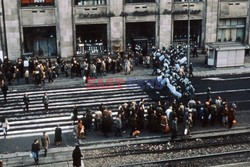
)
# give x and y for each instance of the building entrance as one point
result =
(140, 35)
(40, 41)
(91, 38)
(181, 31)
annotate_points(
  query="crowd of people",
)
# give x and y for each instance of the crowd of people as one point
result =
(170, 66)
(160, 116)
(40, 71)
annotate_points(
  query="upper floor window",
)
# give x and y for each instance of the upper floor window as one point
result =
(231, 30)
(37, 3)
(90, 2)
(138, 1)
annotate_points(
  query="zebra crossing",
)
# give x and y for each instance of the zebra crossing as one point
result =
(35, 121)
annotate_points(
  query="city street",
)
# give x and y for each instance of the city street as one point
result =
(234, 88)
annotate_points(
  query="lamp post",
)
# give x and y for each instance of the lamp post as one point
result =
(188, 36)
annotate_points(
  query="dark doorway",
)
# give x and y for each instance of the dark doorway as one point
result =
(142, 34)
(181, 31)
(40, 41)
(91, 38)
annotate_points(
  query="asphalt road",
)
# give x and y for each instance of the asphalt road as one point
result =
(234, 88)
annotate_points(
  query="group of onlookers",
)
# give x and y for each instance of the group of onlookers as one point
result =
(160, 116)
(38, 70)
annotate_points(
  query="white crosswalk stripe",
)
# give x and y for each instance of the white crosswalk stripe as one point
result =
(35, 121)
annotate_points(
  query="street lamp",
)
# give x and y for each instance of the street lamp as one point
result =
(188, 36)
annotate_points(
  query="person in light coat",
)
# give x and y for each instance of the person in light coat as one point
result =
(5, 126)
(127, 66)
(45, 140)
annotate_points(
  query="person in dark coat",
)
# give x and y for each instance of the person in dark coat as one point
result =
(89, 119)
(75, 114)
(174, 128)
(35, 148)
(195, 52)
(58, 135)
(106, 123)
(46, 101)
(76, 155)
(26, 101)
(5, 90)
(191, 69)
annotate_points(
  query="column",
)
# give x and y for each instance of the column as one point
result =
(212, 20)
(65, 27)
(12, 23)
(116, 24)
(165, 24)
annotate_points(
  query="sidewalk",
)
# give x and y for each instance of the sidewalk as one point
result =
(200, 70)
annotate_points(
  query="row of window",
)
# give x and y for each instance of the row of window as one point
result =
(87, 2)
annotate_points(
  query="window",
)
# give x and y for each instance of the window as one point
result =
(138, 1)
(231, 30)
(25, 3)
(90, 2)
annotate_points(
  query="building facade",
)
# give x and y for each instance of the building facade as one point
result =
(68, 27)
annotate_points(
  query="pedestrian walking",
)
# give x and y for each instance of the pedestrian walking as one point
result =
(5, 91)
(5, 125)
(46, 102)
(77, 155)
(58, 135)
(26, 101)
(35, 148)
(45, 140)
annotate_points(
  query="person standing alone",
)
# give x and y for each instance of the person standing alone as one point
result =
(77, 155)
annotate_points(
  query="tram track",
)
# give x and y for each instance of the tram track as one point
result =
(179, 149)
(182, 161)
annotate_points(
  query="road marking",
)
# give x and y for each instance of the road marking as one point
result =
(212, 79)
(223, 91)
(225, 79)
